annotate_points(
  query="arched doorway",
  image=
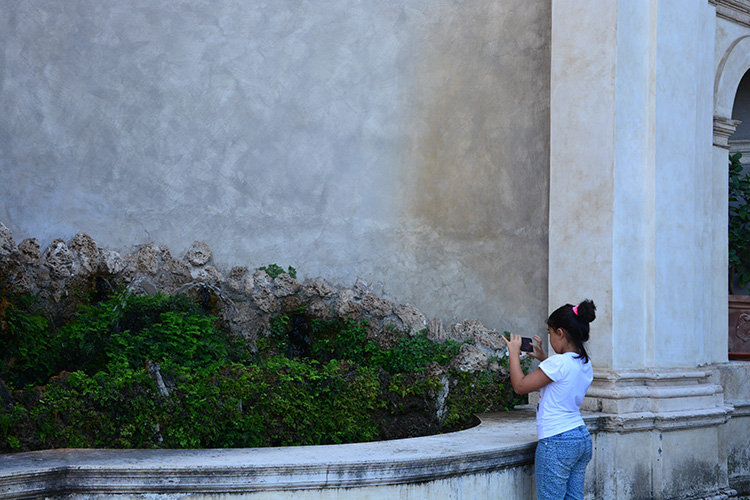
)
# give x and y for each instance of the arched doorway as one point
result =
(739, 142)
(739, 293)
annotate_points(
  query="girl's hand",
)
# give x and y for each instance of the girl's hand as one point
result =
(514, 344)
(538, 350)
(522, 383)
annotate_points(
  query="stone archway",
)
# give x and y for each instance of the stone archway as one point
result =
(731, 69)
(732, 135)
(729, 72)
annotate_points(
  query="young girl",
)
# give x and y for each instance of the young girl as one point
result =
(564, 447)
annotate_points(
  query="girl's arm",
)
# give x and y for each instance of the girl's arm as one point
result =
(523, 384)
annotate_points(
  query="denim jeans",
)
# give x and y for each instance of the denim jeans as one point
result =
(561, 465)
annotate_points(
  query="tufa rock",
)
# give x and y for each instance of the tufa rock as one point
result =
(490, 340)
(59, 260)
(249, 284)
(147, 259)
(237, 272)
(7, 243)
(199, 254)
(245, 322)
(346, 306)
(470, 359)
(178, 270)
(467, 330)
(29, 253)
(375, 306)
(319, 288)
(435, 330)
(318, 309)
(235, 282)
(152, 268)
(291, 304)
(85, 254)
(261, 279)
(265, 300)
(208, 274)
(284, 285)
(413, 319)
(111, 261)
(262, 294)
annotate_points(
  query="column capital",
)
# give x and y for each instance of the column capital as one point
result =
(723, 129)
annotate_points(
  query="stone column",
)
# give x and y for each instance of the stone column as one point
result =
(633, 226)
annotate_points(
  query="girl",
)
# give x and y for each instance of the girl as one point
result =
(564, 447)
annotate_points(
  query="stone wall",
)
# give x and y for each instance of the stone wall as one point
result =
(244, 299)
(402, 142)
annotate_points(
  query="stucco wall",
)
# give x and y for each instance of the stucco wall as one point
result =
(403, 142)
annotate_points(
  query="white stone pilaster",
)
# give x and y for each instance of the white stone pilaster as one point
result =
(634, 226)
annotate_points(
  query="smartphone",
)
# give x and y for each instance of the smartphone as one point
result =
(526, 345)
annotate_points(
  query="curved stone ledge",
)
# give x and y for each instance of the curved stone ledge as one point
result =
(501, 441)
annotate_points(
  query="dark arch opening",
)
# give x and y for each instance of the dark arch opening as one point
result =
(739, 303)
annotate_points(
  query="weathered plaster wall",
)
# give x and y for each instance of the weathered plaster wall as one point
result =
(649, 245)
(403, 142)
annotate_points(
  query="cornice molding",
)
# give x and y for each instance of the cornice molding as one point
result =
(723, 130)
(737, 11)
(641, 400)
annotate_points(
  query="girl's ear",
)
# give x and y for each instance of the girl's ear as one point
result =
(560, 332)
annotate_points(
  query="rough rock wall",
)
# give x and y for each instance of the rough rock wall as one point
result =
(245, 299)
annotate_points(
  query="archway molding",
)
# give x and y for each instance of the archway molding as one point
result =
(730, 70)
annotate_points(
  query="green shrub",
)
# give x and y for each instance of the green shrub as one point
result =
(473, 393)
(347, 340)
(413, 354)
(116, 408)
(132, 329)
(93, 381)
(26, 351)
(274, 270)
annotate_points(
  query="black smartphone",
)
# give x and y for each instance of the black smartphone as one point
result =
(526, 345)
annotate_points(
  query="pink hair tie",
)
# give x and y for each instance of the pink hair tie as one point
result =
(575, 310)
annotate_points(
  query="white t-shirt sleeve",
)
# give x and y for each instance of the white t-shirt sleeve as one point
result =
(554, 367)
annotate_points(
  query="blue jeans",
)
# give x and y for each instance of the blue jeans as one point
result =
(561, 465)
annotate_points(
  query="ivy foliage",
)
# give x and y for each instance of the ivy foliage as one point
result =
(739, 223)
(158, 371)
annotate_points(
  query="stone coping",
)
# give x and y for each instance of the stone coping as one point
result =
(500, 441)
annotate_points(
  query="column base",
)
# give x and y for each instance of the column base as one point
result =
(658, 434)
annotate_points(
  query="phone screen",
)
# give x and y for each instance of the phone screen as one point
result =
(526, 345)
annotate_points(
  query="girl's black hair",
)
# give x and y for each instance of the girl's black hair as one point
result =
(575, 322)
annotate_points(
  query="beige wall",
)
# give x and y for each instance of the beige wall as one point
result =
(402, 142)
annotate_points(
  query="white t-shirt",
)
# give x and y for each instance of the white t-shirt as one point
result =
(559, 405)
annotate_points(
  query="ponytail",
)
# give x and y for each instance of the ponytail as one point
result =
(574, 320)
